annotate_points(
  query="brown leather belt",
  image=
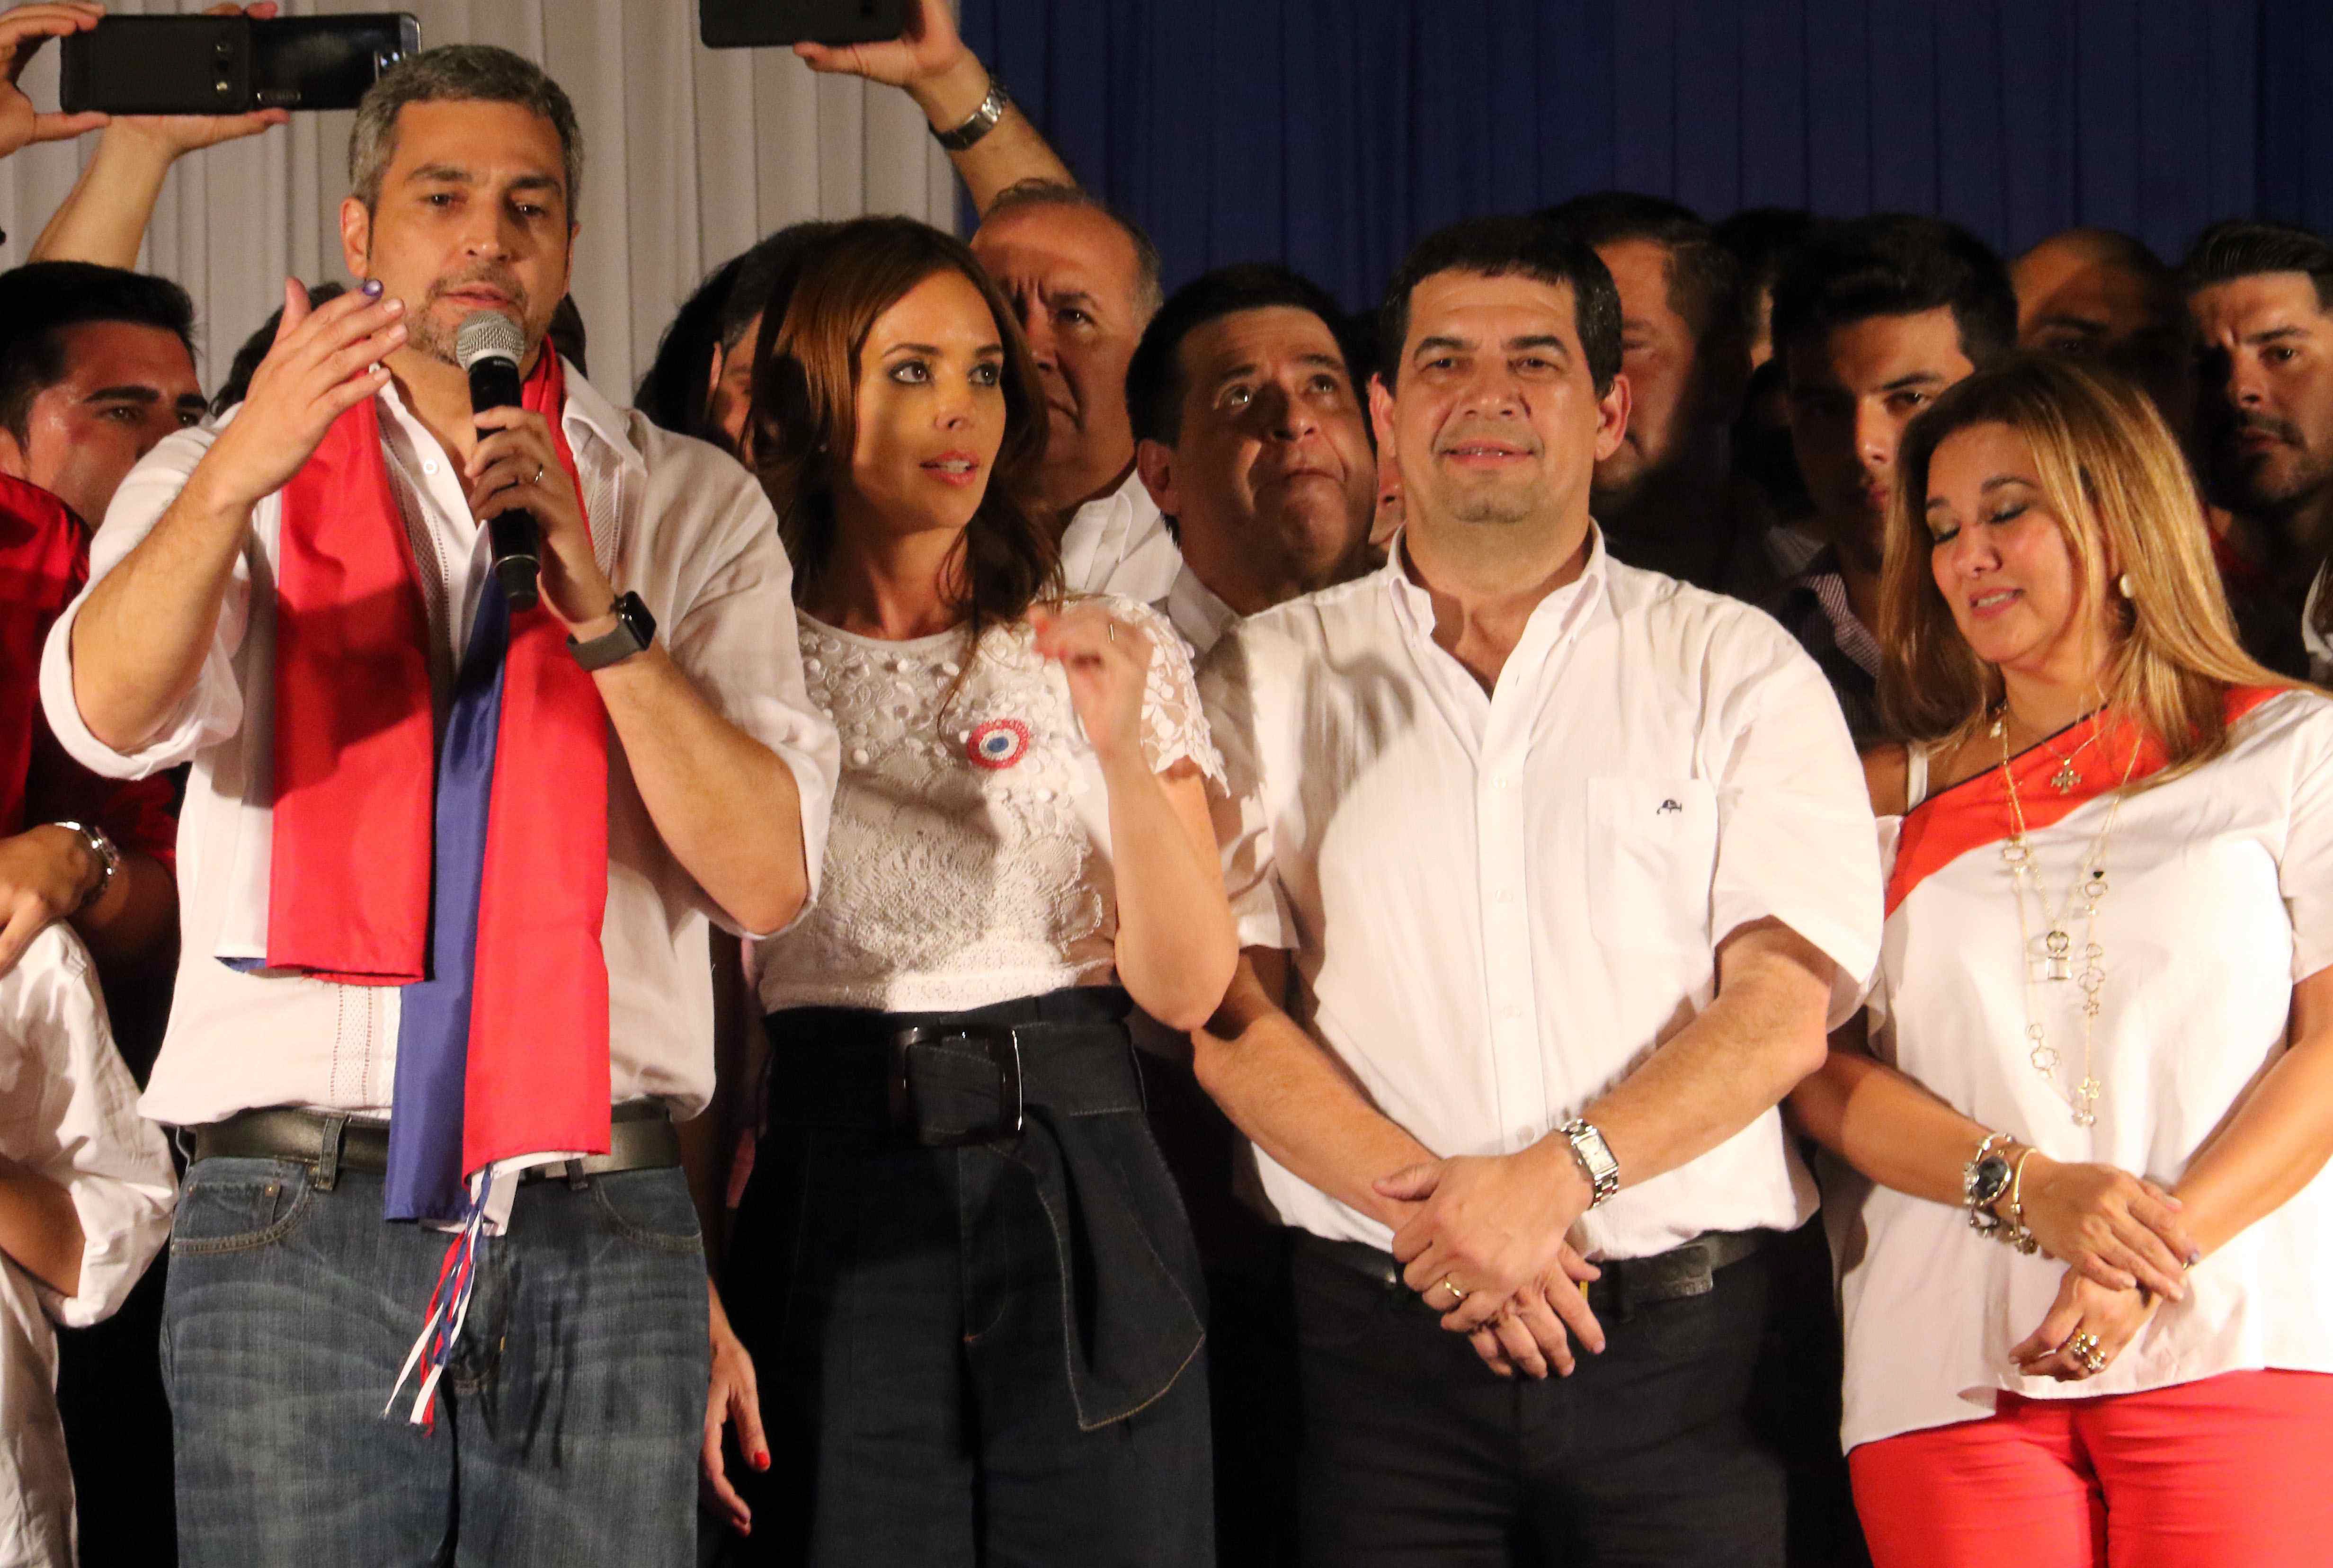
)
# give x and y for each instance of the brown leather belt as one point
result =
(641, 1138)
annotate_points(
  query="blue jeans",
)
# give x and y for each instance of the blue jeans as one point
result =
(567, 1422)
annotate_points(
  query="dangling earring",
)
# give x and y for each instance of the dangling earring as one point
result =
(2123, 585)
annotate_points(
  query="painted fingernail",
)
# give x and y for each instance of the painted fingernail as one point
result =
(371, 289)
(2194, 1256)
(760, 1461)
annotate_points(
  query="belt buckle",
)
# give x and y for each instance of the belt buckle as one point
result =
(1002, 1045)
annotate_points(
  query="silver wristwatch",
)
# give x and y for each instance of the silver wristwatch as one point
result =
(109, 859)
(1595, 1157)
(980, 121)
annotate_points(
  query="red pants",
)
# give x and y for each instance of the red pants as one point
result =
(2229, 1472)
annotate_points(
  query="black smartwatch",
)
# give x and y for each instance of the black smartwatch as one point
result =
(634, 629)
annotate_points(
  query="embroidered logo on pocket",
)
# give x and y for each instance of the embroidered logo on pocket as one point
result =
(1669, 805)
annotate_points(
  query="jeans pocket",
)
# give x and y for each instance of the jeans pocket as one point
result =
(238, 1205)
(649, 1207)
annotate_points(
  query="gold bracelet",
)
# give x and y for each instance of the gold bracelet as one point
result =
(2019, 1234)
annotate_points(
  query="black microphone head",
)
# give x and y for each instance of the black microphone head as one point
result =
(488, 335)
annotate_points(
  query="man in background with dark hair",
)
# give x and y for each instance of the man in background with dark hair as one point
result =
(1660, 497)
(1252, 439)
(1873, 317)
(1513, 983)
(2260, 295)
(97, 365)
(2102, 294)
(701, 382)
(2088, 290)
(95, 368)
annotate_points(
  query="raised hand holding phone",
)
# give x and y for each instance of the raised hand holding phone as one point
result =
(23, 31)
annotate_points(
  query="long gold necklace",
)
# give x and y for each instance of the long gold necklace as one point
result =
(2053, 958)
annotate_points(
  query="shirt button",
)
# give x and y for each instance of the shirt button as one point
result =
(429, 465)
(859, 757)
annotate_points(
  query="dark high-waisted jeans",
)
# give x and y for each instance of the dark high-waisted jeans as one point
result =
(933, 1396)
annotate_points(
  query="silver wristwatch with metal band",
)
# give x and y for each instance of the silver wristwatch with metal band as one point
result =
(1595, 1157)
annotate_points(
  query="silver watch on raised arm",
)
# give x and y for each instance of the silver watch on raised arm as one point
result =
(1595, 1157)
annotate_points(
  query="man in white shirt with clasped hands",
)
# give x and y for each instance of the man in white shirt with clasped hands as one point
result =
(1552, 875)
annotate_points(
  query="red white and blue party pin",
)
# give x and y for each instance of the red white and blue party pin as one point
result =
(998, 744)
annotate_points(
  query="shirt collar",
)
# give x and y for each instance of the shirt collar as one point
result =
(1847, 633)
(1193, 606)
(588, 413)
(1564, 607)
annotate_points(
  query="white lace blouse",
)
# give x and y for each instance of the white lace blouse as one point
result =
(969, 859)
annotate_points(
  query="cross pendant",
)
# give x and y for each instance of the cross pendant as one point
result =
(2066, 780)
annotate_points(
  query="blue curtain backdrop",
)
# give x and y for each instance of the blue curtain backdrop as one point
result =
(1331, 133)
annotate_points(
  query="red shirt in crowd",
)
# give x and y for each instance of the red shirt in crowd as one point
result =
(43, 561)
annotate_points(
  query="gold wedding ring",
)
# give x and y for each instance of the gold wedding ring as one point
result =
(1457, 1296)
(1109, 628)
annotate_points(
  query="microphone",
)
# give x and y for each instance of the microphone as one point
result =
(488, 345)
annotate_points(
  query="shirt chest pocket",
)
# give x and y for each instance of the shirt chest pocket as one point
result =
(1651, 853)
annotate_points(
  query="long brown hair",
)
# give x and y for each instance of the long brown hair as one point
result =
(2112, 474)
(805, 426)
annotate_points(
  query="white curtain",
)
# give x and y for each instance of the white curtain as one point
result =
(691, 154)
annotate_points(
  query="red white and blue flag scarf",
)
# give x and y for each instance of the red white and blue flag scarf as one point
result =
(473, 874)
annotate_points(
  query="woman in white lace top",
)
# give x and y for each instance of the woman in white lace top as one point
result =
(959, 1268)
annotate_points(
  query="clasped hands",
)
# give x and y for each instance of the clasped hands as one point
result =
(1485, 1238)
(2127, 1252)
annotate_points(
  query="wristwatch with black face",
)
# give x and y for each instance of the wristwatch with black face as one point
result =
(1985, 1178)
(1595, 1157)
(634, 629)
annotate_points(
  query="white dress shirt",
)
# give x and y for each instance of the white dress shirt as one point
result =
(68, 1111)
(2219, 899)
(673, 520)
(1118, 543)
(1195, 612)
(1500, 903)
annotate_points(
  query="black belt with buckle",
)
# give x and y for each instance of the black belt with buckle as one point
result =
(1627, 1283)
(950, 1082)
(641, 1138)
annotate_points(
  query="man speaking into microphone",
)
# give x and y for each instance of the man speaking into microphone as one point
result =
(489, 346)
(447, 862)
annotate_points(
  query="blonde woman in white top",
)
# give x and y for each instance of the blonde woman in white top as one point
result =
(967, 1282)
(2085, 1287)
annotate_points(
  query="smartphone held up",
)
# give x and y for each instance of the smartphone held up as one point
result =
(775, 24)
(230, 64)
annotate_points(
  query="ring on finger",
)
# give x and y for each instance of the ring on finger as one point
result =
(1457, 1295)
(538, 475)
(1109, 630)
